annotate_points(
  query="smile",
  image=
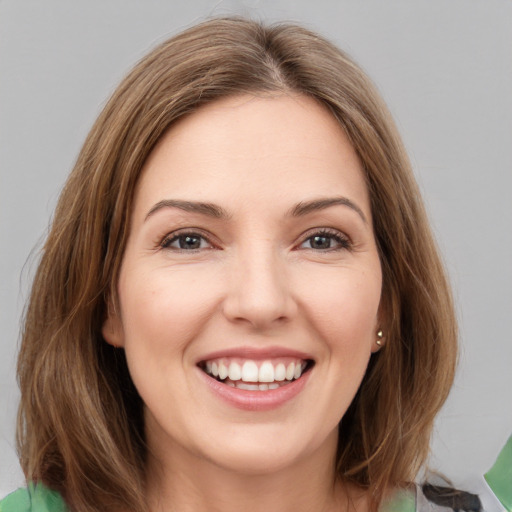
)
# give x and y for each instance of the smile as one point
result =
(254, 375)
(256, 379)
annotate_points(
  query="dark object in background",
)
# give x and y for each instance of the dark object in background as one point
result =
(459, 501)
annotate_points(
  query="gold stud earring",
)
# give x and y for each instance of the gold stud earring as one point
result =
(380, 335)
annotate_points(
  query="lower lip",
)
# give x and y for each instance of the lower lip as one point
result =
(256, 400)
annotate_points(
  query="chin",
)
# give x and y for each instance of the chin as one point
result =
(263, 451)
(256, 460)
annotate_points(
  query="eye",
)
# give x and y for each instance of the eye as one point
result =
(326, 240)
(186, 242)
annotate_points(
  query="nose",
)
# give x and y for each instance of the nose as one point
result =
(259, 292)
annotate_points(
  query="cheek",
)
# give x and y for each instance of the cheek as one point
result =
(164, 308)
(344, 310)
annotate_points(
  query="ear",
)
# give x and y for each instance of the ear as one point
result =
(112, 328)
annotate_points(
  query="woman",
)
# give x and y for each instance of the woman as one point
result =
(240, 303)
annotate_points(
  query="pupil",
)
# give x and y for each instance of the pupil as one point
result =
(321, 242)
(190, 242)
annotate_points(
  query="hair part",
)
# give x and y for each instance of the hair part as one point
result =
(80, 427)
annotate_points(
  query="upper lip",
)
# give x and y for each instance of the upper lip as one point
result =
(256, 353)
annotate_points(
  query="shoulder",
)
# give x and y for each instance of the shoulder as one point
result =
(34, 498)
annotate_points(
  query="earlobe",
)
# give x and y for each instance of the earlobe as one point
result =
(379, 341)
(112, 330)
(380, 328)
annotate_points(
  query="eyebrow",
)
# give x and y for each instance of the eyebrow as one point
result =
(208, 209)
(306, 207)
(217, 212)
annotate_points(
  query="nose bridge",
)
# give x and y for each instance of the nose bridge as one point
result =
(259, 291)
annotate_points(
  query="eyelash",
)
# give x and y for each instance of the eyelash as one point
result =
(331, 234)
(342, 240)
(174, 237)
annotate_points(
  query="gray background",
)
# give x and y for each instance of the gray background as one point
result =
(445, 69)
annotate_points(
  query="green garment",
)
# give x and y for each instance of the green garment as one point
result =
(36, 498)
(499, 477)
(402, 501)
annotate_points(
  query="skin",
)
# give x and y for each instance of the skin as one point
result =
(256, 279)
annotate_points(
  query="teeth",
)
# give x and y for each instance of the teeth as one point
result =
(235, 372)
(280, 372)
(223, 371)
(266, 373)
(248, 375)
(253, 387)
(248, 387)
(250, 372)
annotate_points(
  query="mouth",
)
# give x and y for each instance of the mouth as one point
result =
(256, 374)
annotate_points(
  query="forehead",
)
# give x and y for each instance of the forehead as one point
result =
(275, 146)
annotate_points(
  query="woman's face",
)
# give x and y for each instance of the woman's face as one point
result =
(249, 290)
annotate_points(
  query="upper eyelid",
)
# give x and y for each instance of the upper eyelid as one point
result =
(326, 231)
(172, 235)
(344, 240)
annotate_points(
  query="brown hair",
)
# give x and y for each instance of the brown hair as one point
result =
(80, 425)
